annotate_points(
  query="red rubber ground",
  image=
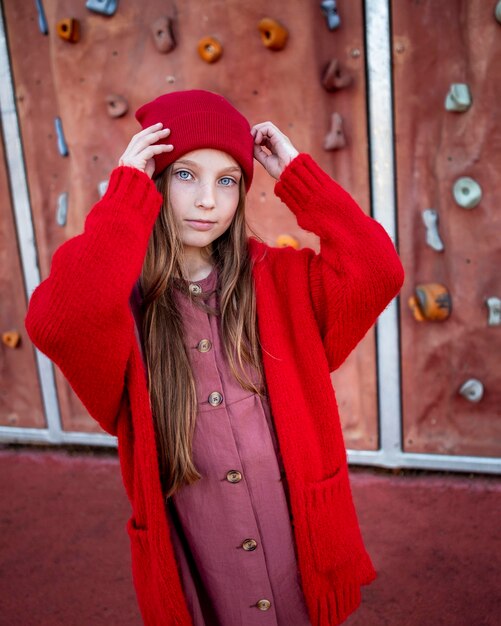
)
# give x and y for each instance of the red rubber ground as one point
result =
(64, 553)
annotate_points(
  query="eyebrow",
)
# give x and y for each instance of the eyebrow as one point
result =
(230, 168)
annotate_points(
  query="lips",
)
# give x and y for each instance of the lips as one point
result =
(200, 225)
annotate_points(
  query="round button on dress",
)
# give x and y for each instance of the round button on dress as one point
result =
(194, 288)
(233, 476)
(204, 345)
(263, 604)
(215, 398)
(249, 544)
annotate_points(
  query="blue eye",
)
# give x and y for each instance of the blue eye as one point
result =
(227, 178)
(180, 172)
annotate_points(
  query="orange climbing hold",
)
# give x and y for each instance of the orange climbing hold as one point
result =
(210, 49)
(431, 302)
(273, 34)
(69, 29)
(11, 338)
(287, 240)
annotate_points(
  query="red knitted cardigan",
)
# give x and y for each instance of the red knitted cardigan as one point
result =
(312, 310)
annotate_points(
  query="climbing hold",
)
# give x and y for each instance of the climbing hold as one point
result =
(497, 11)
(42, 20)
(458, 98)
(335, 139)
(69, 29)
(329, 9)
(163, 36)
(334, 77)
(62, 209)
(102, 187)
(273, 34)
(494, 305)
(431, 302)
(210, 49)
(430, 219)
(472, 390)
(467, 192)
(11, 338)
(61, 142)
(117, 105)
(105, 7)
(287, 240)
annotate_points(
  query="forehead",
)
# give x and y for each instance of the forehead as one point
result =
(208, 157)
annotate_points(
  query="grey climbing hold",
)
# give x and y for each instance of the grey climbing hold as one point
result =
(61, 142)
(105, 7)
(458, 98)
(467, 192)
(62, 209)
(494, 305)
(472, 390)
(430, 219)
(497, 11)
(329, 9)
(42, 20)
(102, 187)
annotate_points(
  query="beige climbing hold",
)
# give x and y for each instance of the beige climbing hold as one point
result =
(69, 29)
(334, 77)
(285, 240)
(163, 35)
(210, 49)
(335, 139)
(273, 34)
(116, 105)
(11, 338)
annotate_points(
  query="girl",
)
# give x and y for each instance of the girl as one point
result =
(208, 354)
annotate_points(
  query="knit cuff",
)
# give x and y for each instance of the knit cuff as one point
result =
(129, 188)
(301, 179)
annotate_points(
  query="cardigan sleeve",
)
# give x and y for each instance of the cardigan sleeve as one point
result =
(79, 316)
(357, 272)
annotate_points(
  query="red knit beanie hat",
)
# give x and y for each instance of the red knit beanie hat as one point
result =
(199, 119)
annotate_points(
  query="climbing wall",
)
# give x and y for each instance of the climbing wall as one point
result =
(20, 399)
(447, 84)
(78, 84)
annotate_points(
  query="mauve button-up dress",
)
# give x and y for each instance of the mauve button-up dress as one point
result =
(231, 530)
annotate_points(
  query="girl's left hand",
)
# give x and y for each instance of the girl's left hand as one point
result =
(282, 151)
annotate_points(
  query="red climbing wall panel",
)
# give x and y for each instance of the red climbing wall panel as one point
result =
(20, 400)
(436, 44)
(117, 55)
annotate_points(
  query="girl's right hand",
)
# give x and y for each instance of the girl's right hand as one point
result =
(139, 153)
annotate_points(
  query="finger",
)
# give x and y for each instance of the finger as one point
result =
(260, 155)
(142, 142)
(151, 128)
(150, 151)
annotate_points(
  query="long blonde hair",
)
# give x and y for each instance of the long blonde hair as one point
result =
(171, 383)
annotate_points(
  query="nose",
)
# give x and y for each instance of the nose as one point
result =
(205, 198)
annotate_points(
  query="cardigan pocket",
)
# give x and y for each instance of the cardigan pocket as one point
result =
(333, 528)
